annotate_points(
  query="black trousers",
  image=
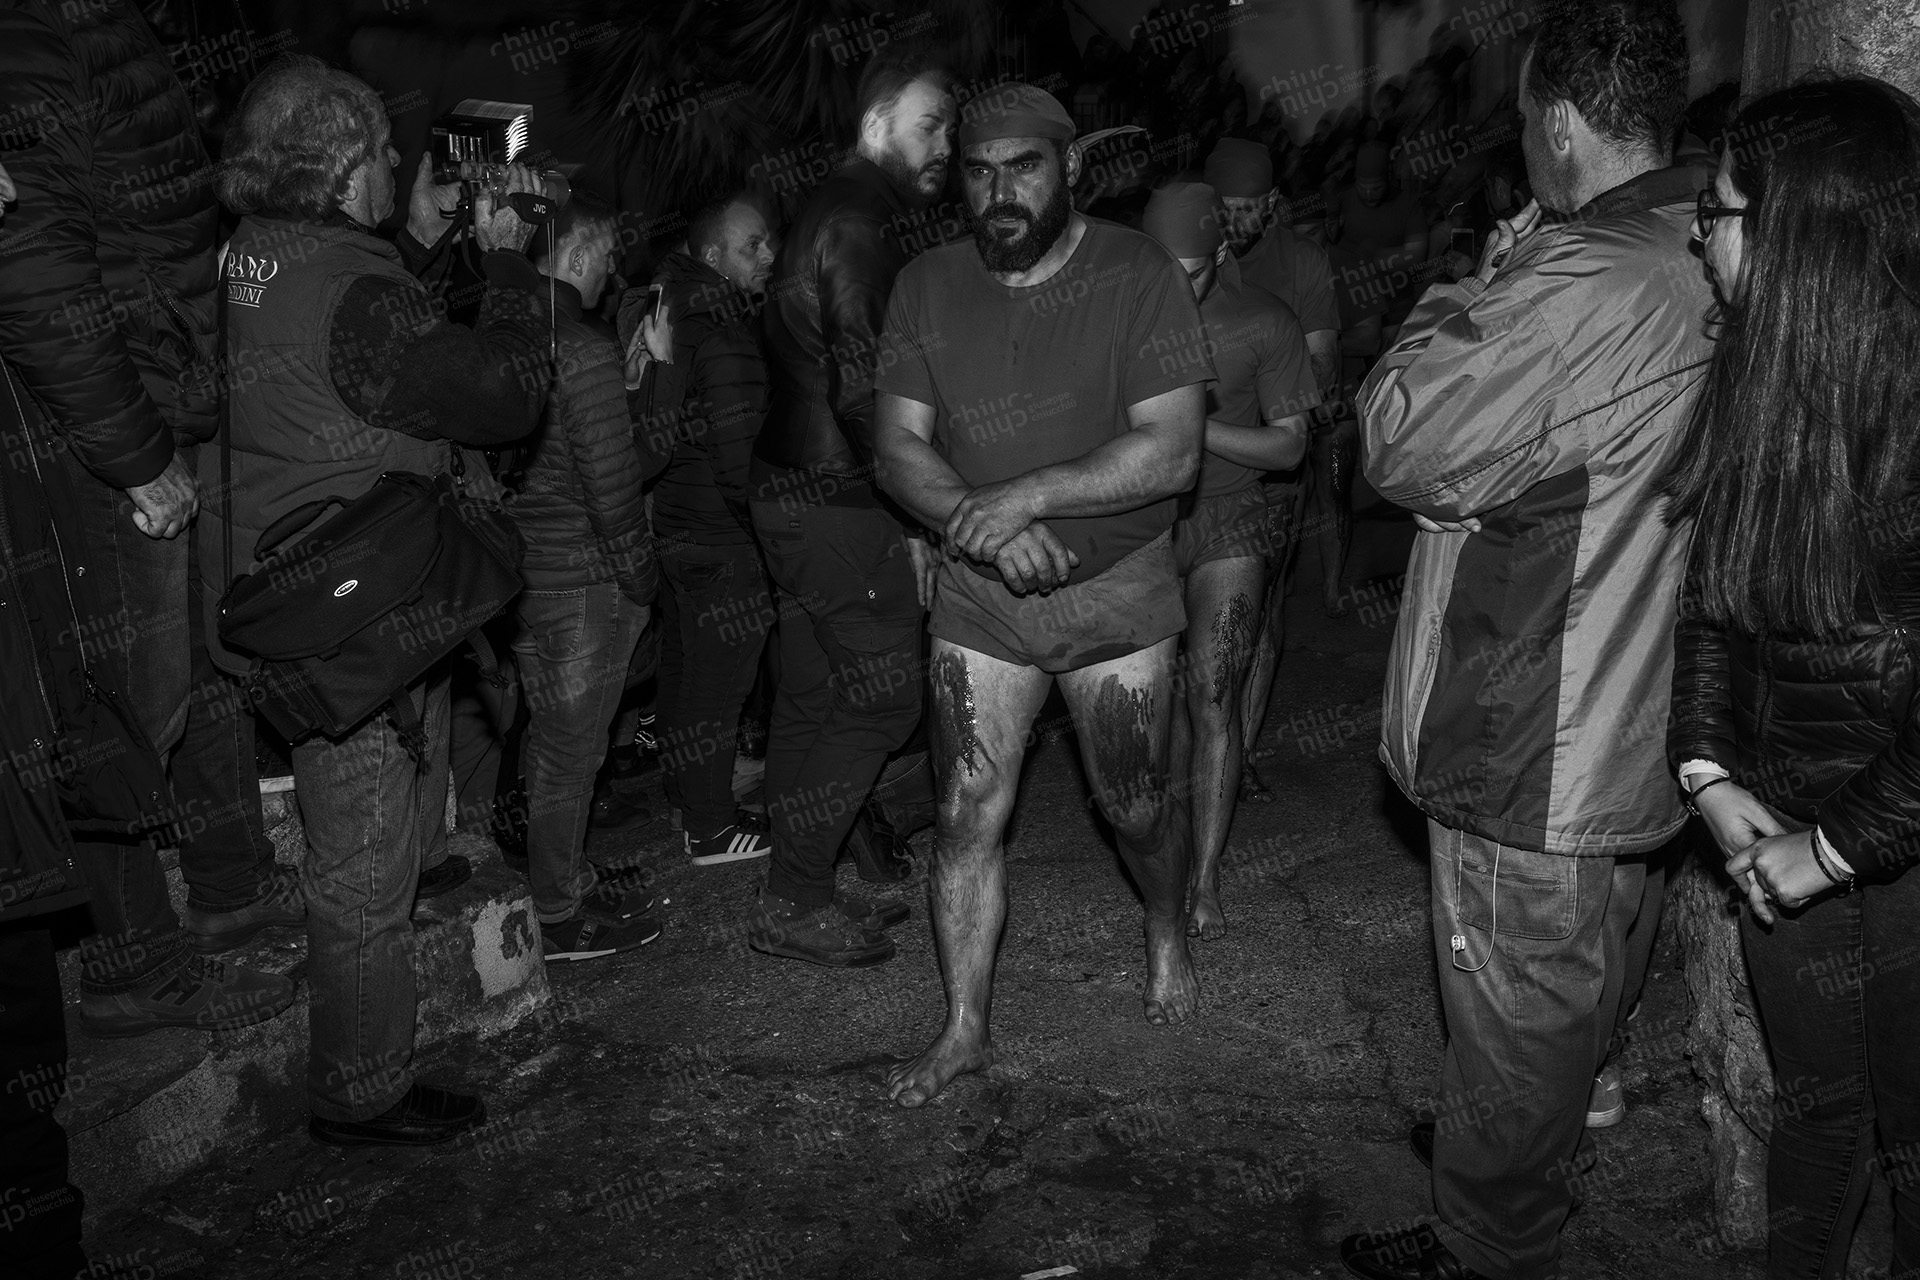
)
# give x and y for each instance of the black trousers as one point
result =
(715, 611)
(39, 1208)
(851, 677)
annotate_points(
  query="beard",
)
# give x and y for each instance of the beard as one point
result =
(1021, 251)
(910, 182)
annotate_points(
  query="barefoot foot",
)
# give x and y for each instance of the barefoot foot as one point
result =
(1204, 917)
(1173, 991)
(1252, 786)
(912, 1084)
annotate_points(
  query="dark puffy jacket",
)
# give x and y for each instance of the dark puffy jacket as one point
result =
(1824, 730)
(825, 310)
(702, 497)
(579, 505)
(107, 265)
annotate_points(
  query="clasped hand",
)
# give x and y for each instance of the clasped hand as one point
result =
(999, 524)
(1775, 866)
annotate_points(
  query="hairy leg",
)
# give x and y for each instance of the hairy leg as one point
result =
(1223, 609)
(1123, 713)
(982, 709)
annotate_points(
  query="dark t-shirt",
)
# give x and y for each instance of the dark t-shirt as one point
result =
(1260, 356)
(1029, 377)
(1367, 231)
(1296, 271)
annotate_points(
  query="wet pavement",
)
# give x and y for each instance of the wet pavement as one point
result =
(699, 1110)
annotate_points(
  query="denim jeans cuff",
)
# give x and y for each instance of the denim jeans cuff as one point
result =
(132, 966)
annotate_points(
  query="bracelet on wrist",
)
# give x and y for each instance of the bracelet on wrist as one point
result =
(1695, 794)
(1820, 859)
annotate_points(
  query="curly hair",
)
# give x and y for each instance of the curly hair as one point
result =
(1621, 63)
(301, 129)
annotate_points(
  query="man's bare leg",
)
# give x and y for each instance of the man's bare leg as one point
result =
(1123, 713)
(1223, 615)
(1270, 637)
(982, 709)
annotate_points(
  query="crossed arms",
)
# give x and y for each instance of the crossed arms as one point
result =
(1004, 523)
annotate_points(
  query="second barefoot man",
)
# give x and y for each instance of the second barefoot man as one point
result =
(1041, 397)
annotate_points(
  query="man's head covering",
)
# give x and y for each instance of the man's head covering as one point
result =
(1370, 163)
(1182, 217)
(1239, 167)
(1014, 110)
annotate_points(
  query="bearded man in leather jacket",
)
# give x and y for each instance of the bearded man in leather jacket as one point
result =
(853, 582)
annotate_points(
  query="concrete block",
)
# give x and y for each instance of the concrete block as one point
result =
(141, 1112)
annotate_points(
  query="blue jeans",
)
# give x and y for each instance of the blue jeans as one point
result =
(1838, 988)
(1526, 1032)
(369, 810)
(572, 654)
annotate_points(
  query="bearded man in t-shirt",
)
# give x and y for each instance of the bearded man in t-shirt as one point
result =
(1040, 402)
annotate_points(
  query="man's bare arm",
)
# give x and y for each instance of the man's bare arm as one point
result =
(1323, 351)
(914, 474)
(908, 467)
(1157, 458)
(1277, 445)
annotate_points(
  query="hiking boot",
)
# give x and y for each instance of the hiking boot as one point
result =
(616, 900)
(747, 836)
(875, 916)
(880, 854)
(585, 938)
(1607, 1103)
(444, 878)
(280, 903)
(203, 995)
(824, 935)
(423, 1116)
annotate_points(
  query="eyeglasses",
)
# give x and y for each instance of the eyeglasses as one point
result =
(1707, 207)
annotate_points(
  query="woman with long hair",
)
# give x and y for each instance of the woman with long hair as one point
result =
(1795, 728)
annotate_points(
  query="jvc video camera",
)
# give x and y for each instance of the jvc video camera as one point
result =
(474, 143)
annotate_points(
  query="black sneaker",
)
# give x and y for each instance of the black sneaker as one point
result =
(424, 1116)
(585, 938)
(614, 812)
(747, 836)
(613, 901)
(280, 903)
(822, 936)
(202, 995)
(876, 916)
(445, 878)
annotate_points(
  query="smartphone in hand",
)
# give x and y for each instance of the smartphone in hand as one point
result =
(649, 314)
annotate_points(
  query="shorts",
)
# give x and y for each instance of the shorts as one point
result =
(1130, 606)
(1229, 527)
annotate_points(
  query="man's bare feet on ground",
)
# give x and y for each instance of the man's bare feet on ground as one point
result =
(1173, 990)
(913, 1084)
(1204, 917)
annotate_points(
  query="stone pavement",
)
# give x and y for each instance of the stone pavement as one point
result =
(699, 1110)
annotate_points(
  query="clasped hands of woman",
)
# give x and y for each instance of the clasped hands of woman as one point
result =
(1776, 866)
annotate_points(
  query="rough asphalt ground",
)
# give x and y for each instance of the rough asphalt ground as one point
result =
(698, 1110)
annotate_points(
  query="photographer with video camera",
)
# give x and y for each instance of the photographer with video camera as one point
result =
(342, 366)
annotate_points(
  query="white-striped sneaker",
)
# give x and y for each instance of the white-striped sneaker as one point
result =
(745, 837)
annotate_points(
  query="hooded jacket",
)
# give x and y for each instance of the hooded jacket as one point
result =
(1528, 687)
(107, 263)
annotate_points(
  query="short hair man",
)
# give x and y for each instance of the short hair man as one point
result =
(1258, 414)
(1525, 416)
(1042, 403)
(360, 373)
(714, 601)
(853, 586)
(1276, 258)
(590, 587)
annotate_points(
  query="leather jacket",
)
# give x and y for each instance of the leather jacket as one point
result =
(825, 309)
(1824, 731)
